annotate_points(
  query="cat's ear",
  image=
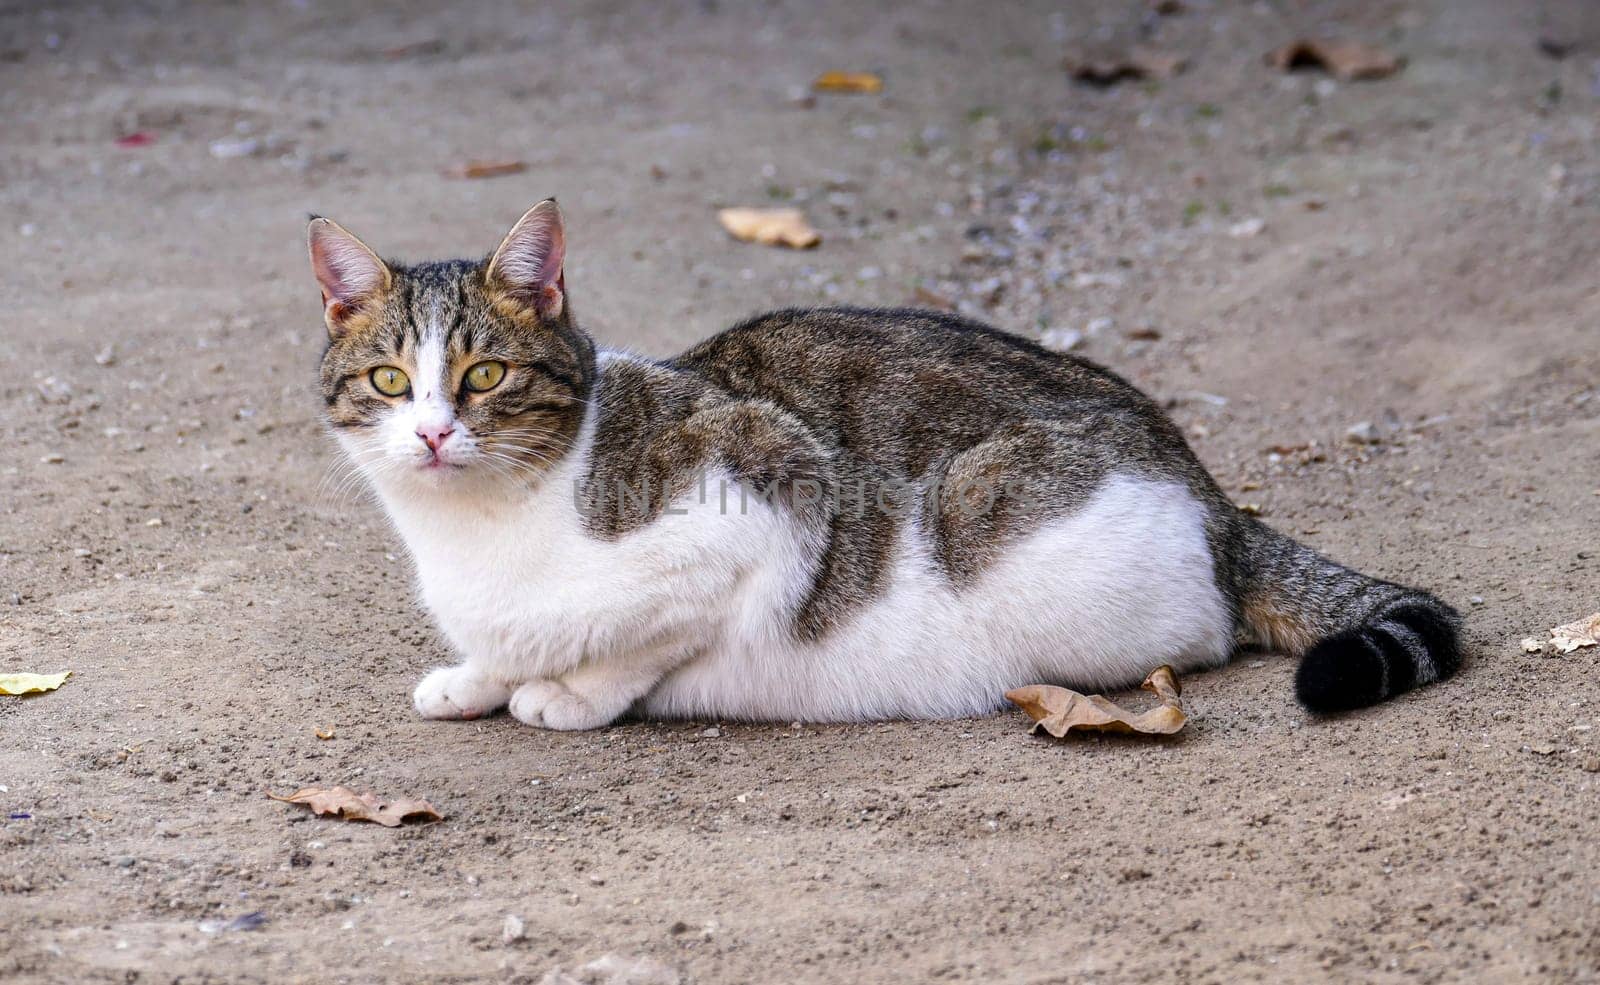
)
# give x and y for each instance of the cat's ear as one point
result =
(527, 266)
(351, 275)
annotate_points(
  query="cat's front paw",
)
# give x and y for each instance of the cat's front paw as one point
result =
(548, 704)
(458, 692)
(529, 701)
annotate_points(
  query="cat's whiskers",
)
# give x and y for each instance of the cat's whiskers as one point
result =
(513, 462)
(344, 476)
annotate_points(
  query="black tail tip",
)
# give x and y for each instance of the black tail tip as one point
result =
(1403, 647)
(1339, 674)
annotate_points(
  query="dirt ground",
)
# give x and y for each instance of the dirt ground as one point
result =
(1426, 260)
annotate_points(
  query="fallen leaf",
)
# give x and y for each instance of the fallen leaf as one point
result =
(855, 82)
(1576, 635)
(346, 803)
(1108, 66)
(485, 169)
(1348, 61)
(31, 683)
(770, 227)
(1059, 711)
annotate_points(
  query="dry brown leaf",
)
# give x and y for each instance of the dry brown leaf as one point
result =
(1576, 635)
(1058, 710)
(1108, 66)
(485, 169)
(346, 803)
(855, 82)
(1348, 61)
(770, 227)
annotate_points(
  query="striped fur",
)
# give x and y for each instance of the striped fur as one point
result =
(1363, 639)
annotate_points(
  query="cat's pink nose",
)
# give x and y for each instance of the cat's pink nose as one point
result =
(434, 436)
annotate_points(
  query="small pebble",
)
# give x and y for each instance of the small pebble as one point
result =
(1061, 339)
(234, 147)
(54, 391)
(53, 458)
(513, 929)
(711, 733)
(1247, 228)
(1365, 433)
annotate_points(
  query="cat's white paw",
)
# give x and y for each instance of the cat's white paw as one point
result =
(529, 701)
(573, 713)
(549, 704)
(458, 692)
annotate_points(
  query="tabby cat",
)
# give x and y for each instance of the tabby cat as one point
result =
(833, 514)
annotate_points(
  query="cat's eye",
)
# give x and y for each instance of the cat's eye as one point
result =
(485, 376)
(391, 381)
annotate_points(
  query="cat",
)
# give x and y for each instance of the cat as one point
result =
(835, 514)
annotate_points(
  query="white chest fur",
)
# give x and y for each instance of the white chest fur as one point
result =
(525, 591)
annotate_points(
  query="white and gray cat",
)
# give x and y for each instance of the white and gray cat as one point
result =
(831, 514)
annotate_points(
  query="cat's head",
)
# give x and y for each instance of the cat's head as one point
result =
(454, 374)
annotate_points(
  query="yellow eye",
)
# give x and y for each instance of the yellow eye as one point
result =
(485, 376)
(391, 381)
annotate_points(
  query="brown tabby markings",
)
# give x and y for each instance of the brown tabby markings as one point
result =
(859, 400)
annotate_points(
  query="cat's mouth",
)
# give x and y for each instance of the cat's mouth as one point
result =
(433, 462)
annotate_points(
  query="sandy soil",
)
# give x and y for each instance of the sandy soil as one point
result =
(1427, 262)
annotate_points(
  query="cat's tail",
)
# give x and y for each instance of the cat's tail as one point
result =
(1361, 639)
